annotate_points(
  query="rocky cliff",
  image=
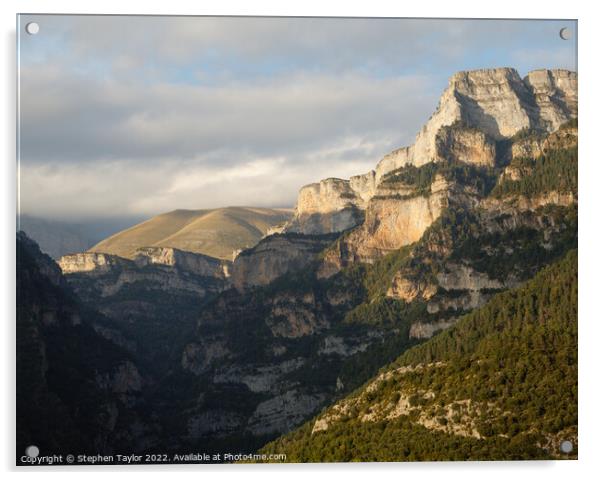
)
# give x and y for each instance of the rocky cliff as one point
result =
(456, 397)
(91, 262)
(74, 387)
(101, 263)
(276, 255)
(477, 110)
(366, 269)
(149, 302)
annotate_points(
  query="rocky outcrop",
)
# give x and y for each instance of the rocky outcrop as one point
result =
(274, 256)
(334, 345)
(462, 277)
(498, 103)
(166, 268)
(467, 145)
(198, 357)
(394, 220)
(195, 263)
(555, 96)
(392, 223)
(423, 330)
(295, 316)
(534, 146)
(102, 263)
(97, 263)
(261, 379)
(331, 205)
(511, 205)
(283, 412)
(409, 290)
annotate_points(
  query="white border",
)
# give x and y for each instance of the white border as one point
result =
(590, 394)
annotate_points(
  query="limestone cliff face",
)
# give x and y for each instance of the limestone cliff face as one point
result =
(392, 223)
(512, 205)
(91, 262)
(166, 268)
(103, 263)
(396, 216)
(477, 109)
(423, 330)
(555, 95)
(196, 263)
(274, 256)
(536, 146)
(498, 103)
(293, 317)
(467, 145)
(325, 207)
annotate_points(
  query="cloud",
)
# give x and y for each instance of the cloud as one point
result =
(138, 115)
(123, 188)
(143, 150)
(87, 121)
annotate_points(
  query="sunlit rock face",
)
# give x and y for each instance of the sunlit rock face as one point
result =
(477, 109)
(274, 256)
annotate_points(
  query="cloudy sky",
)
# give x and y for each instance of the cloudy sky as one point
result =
(133, 116)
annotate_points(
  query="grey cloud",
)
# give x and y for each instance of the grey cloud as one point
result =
(91, 121)
(254, 44)
(140, 115)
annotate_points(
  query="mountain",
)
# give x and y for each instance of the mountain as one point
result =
(247, 350)
(55, 238)
(314, 312)
(217, 233)
(485, 120)
(76, 391)
(501, 384)
(477, 113)
(149, 303)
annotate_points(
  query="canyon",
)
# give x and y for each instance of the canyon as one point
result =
(246, 344)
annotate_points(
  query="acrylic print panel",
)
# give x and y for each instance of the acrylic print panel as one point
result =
(296, 240)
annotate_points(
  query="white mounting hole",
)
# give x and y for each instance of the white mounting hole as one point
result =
(32, 451)
(32, 28)
(565, 33)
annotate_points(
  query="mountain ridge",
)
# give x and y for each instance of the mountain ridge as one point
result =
(497, 103)
(214, 232)
(427, 405)
(317, 311)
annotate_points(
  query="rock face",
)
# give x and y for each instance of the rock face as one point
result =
(461, 277)
(423, 330)
(398, 215)
(328, 206)
(102, 263)
(432, 242)
(170, 268)
(91, 262)
(555, 95)
(393, 222)
(536, 146)
(477, 109)
(195, 263)
(74, 387)
(274, 256)
(148, 301)
(293, 317)
(459, 144)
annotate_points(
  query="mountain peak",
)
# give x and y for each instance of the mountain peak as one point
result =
(477, 110)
